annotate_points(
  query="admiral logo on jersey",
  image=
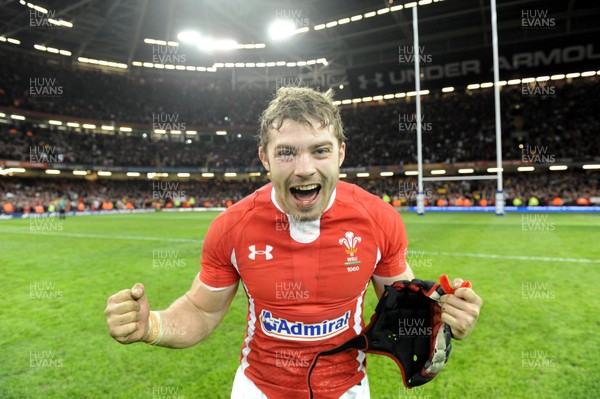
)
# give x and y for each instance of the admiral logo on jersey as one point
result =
(298, 331)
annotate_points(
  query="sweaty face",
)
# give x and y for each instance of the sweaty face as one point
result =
(304, 162)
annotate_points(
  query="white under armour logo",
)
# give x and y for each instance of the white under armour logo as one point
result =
(266, 252)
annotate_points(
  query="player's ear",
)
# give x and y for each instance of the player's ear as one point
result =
(342, 154)
(262, 154)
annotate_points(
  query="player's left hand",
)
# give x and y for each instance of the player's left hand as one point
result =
(461, 310)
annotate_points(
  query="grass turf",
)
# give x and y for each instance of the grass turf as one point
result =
(537, 336)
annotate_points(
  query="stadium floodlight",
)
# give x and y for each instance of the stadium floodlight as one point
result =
(558, 167)
(56, 123)
(208, 44)
(386, 174)
(104, 173)
(588, 73)
(125, 129)
(183, 174)
(18, 117)
(558, 77)
(592, 166)
(189, 36)
(363, 174)
(17, 170)
(208, 174)
(343, 175)
(438, 172)
(221, 133)
(448, 89)
(230, 174)
(494, 170)
(80, 172)
(525, 169)
(411, 173)
(573, 75)
(52, 172)
(191, 132)
(133, 174)
(467, 170)
(254, 174)
(88, 126)
(281, 29)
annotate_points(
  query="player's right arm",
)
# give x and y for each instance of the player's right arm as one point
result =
(187, 321)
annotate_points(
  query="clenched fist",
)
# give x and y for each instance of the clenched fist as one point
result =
(127, 315)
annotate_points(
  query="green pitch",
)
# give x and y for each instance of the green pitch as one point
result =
(537, 336)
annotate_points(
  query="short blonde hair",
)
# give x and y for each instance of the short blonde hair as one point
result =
(299, 104)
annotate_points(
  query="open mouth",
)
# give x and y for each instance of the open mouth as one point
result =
(305, 194)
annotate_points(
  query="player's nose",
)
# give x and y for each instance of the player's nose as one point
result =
(304, 166)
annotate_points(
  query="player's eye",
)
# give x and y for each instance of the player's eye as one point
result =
(285, 153)
(323, 151)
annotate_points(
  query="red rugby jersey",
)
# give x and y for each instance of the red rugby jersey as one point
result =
(305, 283)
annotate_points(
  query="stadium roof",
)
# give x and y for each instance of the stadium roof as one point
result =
(114, 30)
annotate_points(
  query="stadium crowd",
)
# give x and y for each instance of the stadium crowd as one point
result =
(457, 126)
(561, 123)
(45, 195)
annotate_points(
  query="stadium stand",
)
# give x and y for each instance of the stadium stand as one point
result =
(26, 194)
(378, 135)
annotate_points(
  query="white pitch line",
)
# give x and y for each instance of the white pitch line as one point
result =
(410, 253)
(104, 236)
(513, 257)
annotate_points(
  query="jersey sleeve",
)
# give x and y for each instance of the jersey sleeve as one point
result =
(217, 270)
(395, 244)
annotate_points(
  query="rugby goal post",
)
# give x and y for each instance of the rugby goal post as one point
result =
(499, 198)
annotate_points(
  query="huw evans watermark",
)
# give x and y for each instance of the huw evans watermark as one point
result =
(537, 19)
(167, 121)
(162, 190)
(407, 123)
(45, 87)
(45, 154)
(295, 16)
(407, 55)
(536, 154)
(167, 55)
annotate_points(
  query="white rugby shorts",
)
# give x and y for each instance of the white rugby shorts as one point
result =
(244, 388)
